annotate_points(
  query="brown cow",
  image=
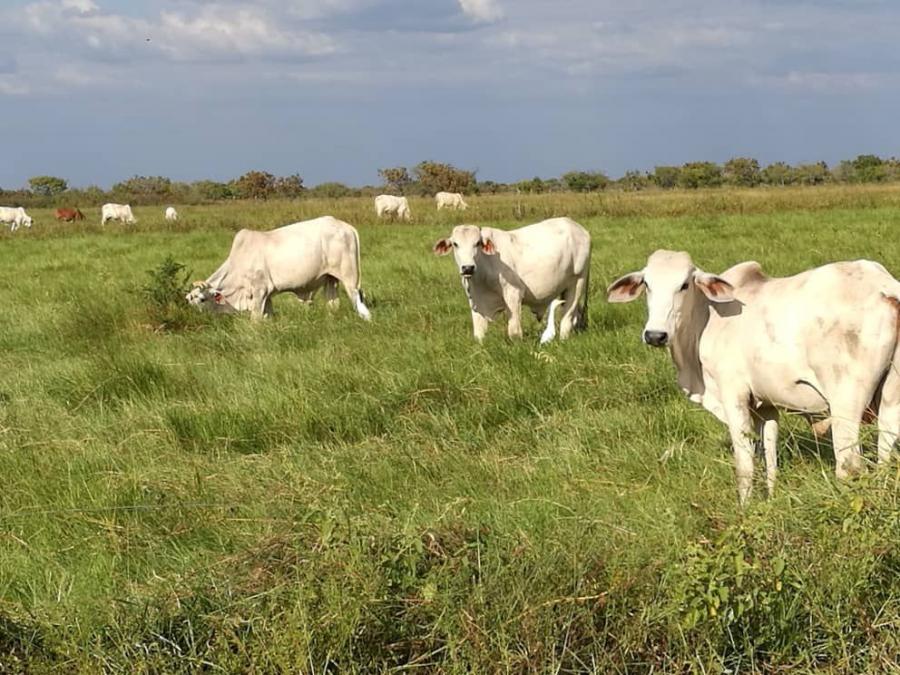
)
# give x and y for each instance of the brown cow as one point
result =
(69, 215)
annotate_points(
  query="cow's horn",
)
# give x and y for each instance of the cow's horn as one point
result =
(200, 284)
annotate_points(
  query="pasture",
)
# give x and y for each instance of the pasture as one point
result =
(317, 494)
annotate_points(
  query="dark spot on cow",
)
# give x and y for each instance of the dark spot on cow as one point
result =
(851, 341)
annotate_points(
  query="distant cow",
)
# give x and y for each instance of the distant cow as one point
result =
(171, 214)
(120, 212)
(533, 265)
(298, 258)
(391, 205)
(450, 200)
(744, 345)
(15, 217)
(68, 215)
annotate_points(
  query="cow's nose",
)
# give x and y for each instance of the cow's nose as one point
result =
(656, 338)
(467, 270)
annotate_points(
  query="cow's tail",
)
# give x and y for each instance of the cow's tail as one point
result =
(581, 322)
(360, 300)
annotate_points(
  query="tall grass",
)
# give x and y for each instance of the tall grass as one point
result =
(315, 493)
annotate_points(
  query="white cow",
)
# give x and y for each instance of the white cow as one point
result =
(450, 200)
(171, 214)
(391, 205)
(15, 217)
(120, 212)
(744, 344)
(533, 265)
(298, 258)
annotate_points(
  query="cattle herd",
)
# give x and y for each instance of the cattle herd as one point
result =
(823, 343)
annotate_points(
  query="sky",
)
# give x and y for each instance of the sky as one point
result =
(97, 91)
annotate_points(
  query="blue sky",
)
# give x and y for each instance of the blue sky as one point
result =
(99, 90)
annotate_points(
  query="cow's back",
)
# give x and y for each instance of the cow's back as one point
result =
(546, 256)
(298, 254)
(815, 327)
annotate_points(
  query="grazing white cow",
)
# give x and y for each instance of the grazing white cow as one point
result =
(391, 205)
(532, 266)
(120, 212)
(171, 214)
(298, 258)
(15, 217)
(450, 200)
(744, 345)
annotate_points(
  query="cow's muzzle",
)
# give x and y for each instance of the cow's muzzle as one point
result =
(656, 338)
(467, 271)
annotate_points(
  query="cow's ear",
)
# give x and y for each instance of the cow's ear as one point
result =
(442, 247)
(487, 245)
(218, 298)
(627, 288)
(713, 287)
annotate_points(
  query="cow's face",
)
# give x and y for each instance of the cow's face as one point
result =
(670, 278)
(27, 221)
(205, 297)
(466, 242)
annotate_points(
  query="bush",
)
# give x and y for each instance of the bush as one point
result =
(164, 296)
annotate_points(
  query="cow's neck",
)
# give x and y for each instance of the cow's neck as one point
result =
(685, 345)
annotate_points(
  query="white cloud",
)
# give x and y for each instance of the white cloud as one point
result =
(822, 82)
(212, 31)
(482, 10)
(246, 31)
(11, 85)
(83, 6)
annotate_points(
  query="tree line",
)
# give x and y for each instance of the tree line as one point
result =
(429, 177)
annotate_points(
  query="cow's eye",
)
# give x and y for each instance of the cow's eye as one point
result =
(455, 245)
(685, 285)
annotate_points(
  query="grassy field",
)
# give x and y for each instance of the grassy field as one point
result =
(317, 494)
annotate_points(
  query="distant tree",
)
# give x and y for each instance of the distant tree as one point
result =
(330, 191)
(255, 185)
(742, 172)
(48, 186)
(489, 187)
(892, 169)
(553, 185)
(778, 173)
(695, 175)
(633, 181)
(665, 177)
(209, 190)
(396, 179)
(533, 186)
(868, 169)
(812, 174)
(289, 187)
(585, 181)
(143, 189)
(436, 177)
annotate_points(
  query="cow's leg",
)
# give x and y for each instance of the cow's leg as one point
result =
(331, 292)
(571, 307)
(740, 427)
(846, 415)
(889, 415)
(479, 325)
(512, 298)
(767, 427)
(349, 279)
(305, 297)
